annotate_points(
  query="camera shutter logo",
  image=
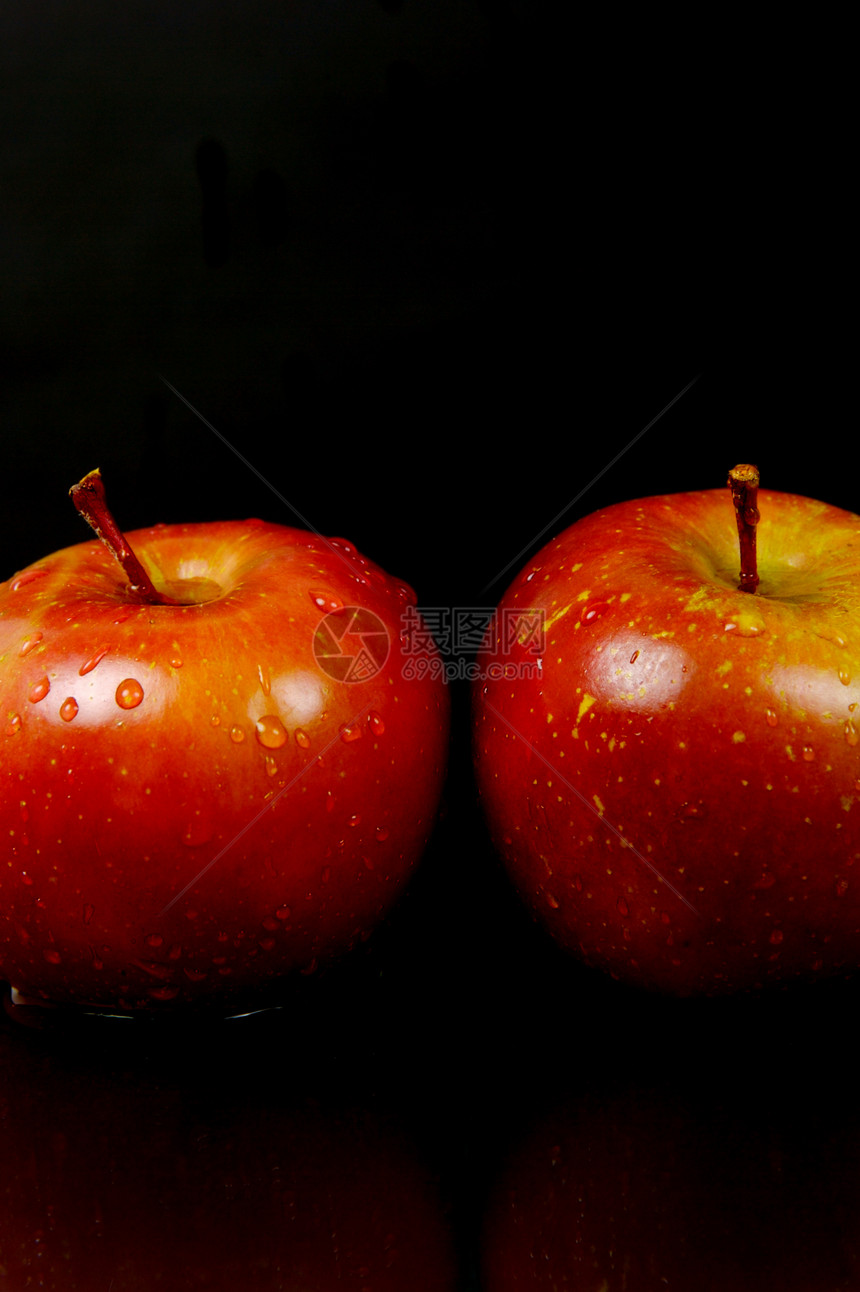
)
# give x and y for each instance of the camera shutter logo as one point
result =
(351, 644)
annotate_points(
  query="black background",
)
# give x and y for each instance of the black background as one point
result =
(427, 270)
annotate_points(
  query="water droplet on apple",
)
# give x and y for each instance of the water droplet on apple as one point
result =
(269, 922)
(271, 767)
(39, 691)
(197, 832)
(29, 576)
(302, 738)
(89, 912)
(592, 612)
(163, 993)
(844, 677)
(265, 679)
(350, 731)
(215, 721)
(89, 664)
(13, 726)
(851, 735)
(355, 819)
(375, 722)
(381, 833)
(406, 594)
(153, 939)
(634, 657)
(746, 624)
(271, 732)
(552, 901)
(808, 753)
(30, 643)
(237, 735)
(53, 957)
(776, 937)
(129, 693)
(621, 906)
(176, 662)
(282, 913)
(69, 709)
(771, 718)
(325, 601)
(26, 879)
(194, 975)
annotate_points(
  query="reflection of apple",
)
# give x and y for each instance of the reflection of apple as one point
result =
(644, 1189)
(196, 796)
(675, 788)
(119, 1178)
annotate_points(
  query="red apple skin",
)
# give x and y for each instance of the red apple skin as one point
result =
(675, 790)
(111, 809)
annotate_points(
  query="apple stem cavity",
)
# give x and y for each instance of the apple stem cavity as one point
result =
(744, 482)
(89, 498)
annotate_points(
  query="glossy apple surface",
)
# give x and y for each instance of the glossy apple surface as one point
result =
(197, 798)
(673, 776)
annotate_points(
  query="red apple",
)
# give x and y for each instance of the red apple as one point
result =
(672, 773)
(209, 777)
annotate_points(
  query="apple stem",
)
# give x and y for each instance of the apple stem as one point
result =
(744, 482)
(88, 495)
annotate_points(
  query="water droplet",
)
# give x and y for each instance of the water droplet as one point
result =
(634, 657)
(325, 601)
(28, 576)
(350, 731)
(271, 766)
(765, 880)
(621, 906)
(13, 726)
(89, 912)
(69, 709)
(851, 735)
(27, 879)
(552, 901)
(282, 913)
(354, 820)
(381, 833)
(163, 993)
(269, 922)
(176, 662)
(844, 677)
(808, 753)
(89, 664)
(30, 643)
(746, 624)
(271, 733)
(302, 738)
(329, 801)
(39, 691)
(265, 679)
(129, 693)
(376, 724)
(194, 975)
(772, 719)
(591, 613)
(406, 594)
(237, 735)
(53, 957)
(776, 937)
(153, 939)
(175, 952)
(197, 832)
